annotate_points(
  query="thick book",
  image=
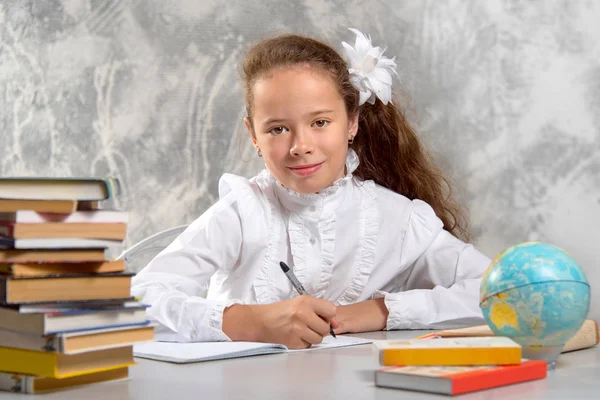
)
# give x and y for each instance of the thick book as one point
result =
(78, 342)
(56, 365)
(64, 288)
(446, 351)
(47, 230)
(456, 379)
(56, 268)
(46, 206)
(57, 243)
(587, 336)
(41, 188)
(10, 256)
(49, 319)
(77, 217)
(29, 384)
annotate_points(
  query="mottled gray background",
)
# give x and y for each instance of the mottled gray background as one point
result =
(506, 94)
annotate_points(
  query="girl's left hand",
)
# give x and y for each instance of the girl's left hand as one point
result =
(366, 316)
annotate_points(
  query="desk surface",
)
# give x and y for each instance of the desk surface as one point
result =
(339, 373)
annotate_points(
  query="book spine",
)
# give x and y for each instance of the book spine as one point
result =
(29, 341)
(28, 362)
(7, 229)
(11, 319)
(113, 187)
(16, 383)
(3, 284)
(6, 242)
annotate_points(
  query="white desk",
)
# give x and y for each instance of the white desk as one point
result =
(342, 373)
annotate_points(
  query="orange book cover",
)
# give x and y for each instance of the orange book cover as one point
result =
(454, 380)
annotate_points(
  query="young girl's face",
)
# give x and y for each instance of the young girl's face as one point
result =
(301, 127)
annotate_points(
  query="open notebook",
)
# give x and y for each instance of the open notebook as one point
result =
(209, 351)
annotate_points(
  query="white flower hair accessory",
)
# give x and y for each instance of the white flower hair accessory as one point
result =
(370, 71)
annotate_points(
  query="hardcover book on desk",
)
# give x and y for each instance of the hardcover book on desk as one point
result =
(69, 189)
(39, 256)
(453, 380)
(49, 319)
(46, 206)
(456, 351)
(48, 268)
(58, 365)
(21, 383)
(64, 287)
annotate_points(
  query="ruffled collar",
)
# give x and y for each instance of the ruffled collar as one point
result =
(287, 195)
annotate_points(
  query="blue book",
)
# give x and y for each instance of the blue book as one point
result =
(41, 188)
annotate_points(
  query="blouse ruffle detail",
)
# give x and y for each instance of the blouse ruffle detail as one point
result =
(327, 230)
(262, 283)
(369, 222)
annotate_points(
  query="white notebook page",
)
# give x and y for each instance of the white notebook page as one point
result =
(209, 351)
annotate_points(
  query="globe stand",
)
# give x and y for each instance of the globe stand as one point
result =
(545, 353)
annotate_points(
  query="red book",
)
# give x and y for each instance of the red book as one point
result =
(453, 380)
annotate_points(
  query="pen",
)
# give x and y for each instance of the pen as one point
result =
(297, 285)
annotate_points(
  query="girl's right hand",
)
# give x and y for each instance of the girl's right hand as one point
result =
(297, 323)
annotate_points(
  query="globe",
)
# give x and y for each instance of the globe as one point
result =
(536, 294)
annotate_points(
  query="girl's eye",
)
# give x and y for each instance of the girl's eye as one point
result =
(321, 123)
(278, 130)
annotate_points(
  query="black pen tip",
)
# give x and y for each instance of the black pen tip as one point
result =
(284, 267)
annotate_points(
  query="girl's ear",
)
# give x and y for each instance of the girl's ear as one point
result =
(248, 125)
(352, 126)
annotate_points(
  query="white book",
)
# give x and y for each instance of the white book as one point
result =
(77, 217)
(182, 353)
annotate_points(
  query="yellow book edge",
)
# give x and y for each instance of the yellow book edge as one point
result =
(38, 363)
(30, 384)
(93, 371)
(450, 356)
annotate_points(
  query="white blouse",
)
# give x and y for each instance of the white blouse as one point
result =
(353, 241)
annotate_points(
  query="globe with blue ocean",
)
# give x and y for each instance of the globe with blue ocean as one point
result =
(536, 294)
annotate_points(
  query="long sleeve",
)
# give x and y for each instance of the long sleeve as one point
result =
(172, 281)
(442, 287)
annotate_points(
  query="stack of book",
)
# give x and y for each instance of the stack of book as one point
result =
(453, 366)
(66, 315)
(464, 360)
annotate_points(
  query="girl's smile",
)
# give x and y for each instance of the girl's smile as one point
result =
(306, 170)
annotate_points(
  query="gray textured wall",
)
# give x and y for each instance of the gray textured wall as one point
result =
(506, 93)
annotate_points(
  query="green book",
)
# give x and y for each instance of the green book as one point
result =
(41, 188)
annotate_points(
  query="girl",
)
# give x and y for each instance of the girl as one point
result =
(348, 200)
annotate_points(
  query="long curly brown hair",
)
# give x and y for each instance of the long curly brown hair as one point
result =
(389, 150)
